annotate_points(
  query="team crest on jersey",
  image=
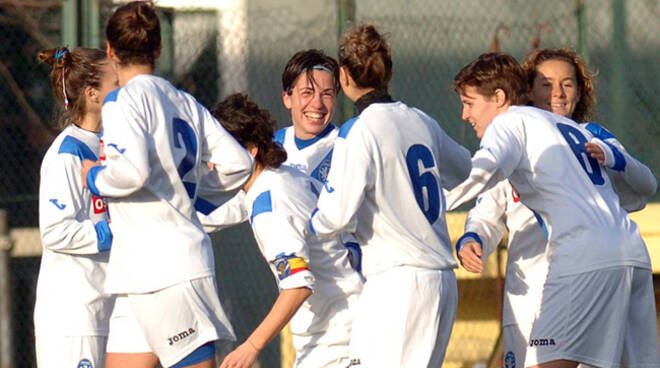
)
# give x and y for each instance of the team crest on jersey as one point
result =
(99, 204)
(324, 169)
(287, 265)
(510, 360)
(85, 363)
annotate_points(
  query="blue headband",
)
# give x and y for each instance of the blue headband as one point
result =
(60, 53)
(321, 67)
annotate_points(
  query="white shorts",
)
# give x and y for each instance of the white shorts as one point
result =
(171, 322)
(604, 318)
(321, 331)
(404, 318)
(70, 351)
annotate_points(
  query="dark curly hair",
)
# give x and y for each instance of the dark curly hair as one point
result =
(250, 126)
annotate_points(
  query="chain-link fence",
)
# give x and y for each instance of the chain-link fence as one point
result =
(214, 48)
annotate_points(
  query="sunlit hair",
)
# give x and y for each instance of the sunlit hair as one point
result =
(493, 71)
(305, 62)
(71, 72)
(133, 32)
(585, 106)
(367, 56)
(250, 126)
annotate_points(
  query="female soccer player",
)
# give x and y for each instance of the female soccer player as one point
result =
(595, 253)
(279, 200)
(161, 265)
(71, 312)
(388, 169)
(559, 82)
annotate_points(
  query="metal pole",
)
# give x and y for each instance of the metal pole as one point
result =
(581, 15)
(70, 24)
(345, 17)
(619, 52)
(6, 344)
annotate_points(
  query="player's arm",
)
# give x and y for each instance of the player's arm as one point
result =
(501, 151)
(126, 168)
(484, 229)
(232, 163)
(60, 200)
(632, 180)
(454, 161)
(350, 176)
(230, 213)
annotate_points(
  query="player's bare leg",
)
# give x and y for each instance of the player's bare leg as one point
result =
(557, 364)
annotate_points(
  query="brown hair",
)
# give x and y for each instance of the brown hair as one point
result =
(133, 31)
(305, 62)
(71, 72)
(367, 56)
(250, 125)
(492, 71)
(586, 104)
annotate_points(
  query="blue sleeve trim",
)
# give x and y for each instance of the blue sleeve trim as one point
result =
(599, 132)
(112, 96)
(73, 146)
(201, 354)
(311, 227)
(541, 223)
(346, 127)
(355, 255)
(261, 204)
(204, 206)
(91, 179)
(103, 236)
(321, 171)
(619, 159)
(469, 235)
(279, 136)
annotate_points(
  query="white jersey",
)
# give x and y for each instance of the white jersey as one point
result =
(311, 156)
(75, 237)
(388, 169)
(544, 158)
(527, 264)
(156, 140)
(279, 204)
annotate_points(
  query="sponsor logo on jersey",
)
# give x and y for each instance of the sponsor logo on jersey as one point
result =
(354, 362)
(59, 206)
(85, 363)
(180, 336)
(542, 342)
(515, 195)
(287, 265)
(328, 188)
(99, 204)
(510, 360)
(101, 150)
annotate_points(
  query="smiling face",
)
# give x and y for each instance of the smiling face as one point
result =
(312, 103)
(479, 110)
(555, 87)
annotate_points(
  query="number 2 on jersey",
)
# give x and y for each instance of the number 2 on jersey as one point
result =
(427, 191)
(576, 141)
(183, 132)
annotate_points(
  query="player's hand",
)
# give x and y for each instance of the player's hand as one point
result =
(470, 257)
(596, 152)
(86, 166)
(243, 356)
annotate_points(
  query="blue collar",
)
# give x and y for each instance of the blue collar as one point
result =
(302, 143)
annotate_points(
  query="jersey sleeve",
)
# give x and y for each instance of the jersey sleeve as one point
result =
(500, 153)
(232, 163)
(351, 174)
(60, 201)
(282, 238)
(454, 161)
(487, 219)
(230, 213)
(126, 167)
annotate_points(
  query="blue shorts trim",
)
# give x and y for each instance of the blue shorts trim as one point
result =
(202, 353)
